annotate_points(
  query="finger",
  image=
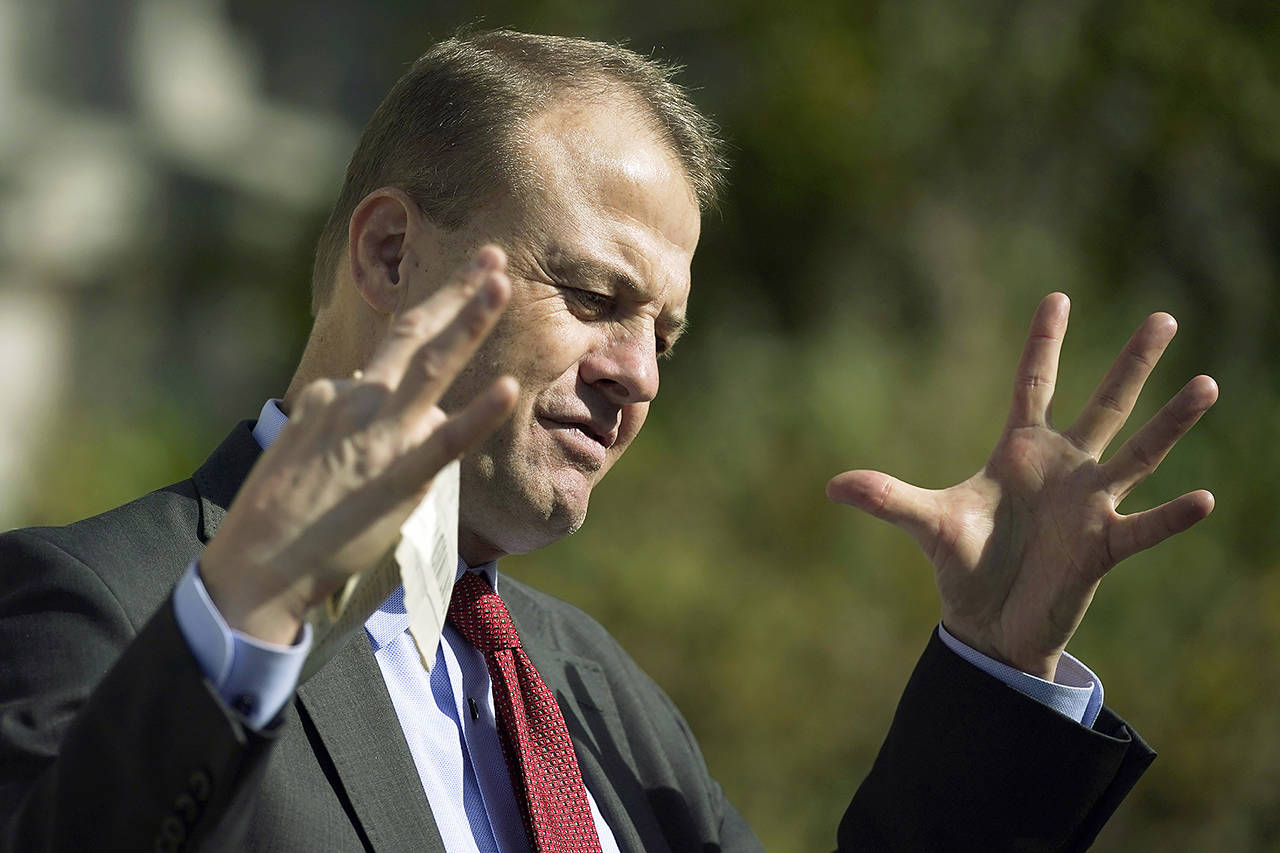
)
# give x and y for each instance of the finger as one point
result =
(432, 368)
(385, 500)
(410, 330)
(1145, 449)
(459, 435)
(906, 506)
(1140, 531)
(1113, 399)
(1038, 366)
(314, 397)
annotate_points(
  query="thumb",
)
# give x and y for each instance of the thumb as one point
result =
(906, 506)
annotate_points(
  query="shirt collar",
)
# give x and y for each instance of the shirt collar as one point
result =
(270, 421)
(391, 619)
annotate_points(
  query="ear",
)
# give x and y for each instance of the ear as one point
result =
(385, 223)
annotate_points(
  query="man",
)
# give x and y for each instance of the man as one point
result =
(513, 243)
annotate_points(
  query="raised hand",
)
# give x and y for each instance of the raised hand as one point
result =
(1019, 548)
(327, 499)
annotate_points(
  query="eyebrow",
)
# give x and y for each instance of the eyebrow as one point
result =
(564, 265)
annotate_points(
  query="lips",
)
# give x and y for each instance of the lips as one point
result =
(604, 434)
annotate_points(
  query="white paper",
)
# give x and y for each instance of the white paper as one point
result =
(428, 559)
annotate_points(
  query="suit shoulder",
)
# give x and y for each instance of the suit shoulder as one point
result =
(554, 622)
(554, 625)
(137, 550)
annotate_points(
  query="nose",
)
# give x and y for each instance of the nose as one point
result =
(624, 367)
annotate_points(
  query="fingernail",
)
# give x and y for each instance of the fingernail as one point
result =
(485, 259)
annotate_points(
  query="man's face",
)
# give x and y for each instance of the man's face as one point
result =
(599, 266)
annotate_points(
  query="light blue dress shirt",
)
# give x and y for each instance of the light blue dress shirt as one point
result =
(447, 715)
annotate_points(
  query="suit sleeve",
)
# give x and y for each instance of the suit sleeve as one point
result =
(972, 764)
(110, 738)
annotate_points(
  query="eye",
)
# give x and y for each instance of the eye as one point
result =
(593, 303)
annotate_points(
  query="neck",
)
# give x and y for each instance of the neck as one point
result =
(474, 550)
(330, 354)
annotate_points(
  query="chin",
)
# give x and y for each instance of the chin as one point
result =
(530, 519)
(535, 536)
(570, 496)
(561, 516)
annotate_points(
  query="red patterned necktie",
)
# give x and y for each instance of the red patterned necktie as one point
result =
(535, 740)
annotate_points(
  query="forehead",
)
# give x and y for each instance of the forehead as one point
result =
(609, 189)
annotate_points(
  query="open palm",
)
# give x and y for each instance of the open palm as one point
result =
(1019, 548)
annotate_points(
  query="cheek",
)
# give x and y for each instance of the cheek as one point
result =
(547, 359)
(541, 346)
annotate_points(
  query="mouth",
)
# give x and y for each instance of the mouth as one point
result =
(605, 437)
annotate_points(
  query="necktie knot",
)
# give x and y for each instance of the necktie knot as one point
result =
(480, 617)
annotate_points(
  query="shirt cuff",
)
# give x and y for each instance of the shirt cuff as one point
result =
(1075, 692)
(253, 677)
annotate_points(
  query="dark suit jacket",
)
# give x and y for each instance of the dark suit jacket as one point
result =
(111, 739)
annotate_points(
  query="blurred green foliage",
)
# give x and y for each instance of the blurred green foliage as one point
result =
(910, 177)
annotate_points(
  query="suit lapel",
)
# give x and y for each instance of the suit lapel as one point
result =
(596, 728)
(346, 702)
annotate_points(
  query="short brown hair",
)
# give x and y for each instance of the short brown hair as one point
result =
(448, 132)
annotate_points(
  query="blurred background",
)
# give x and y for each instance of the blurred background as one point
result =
(909, 179)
